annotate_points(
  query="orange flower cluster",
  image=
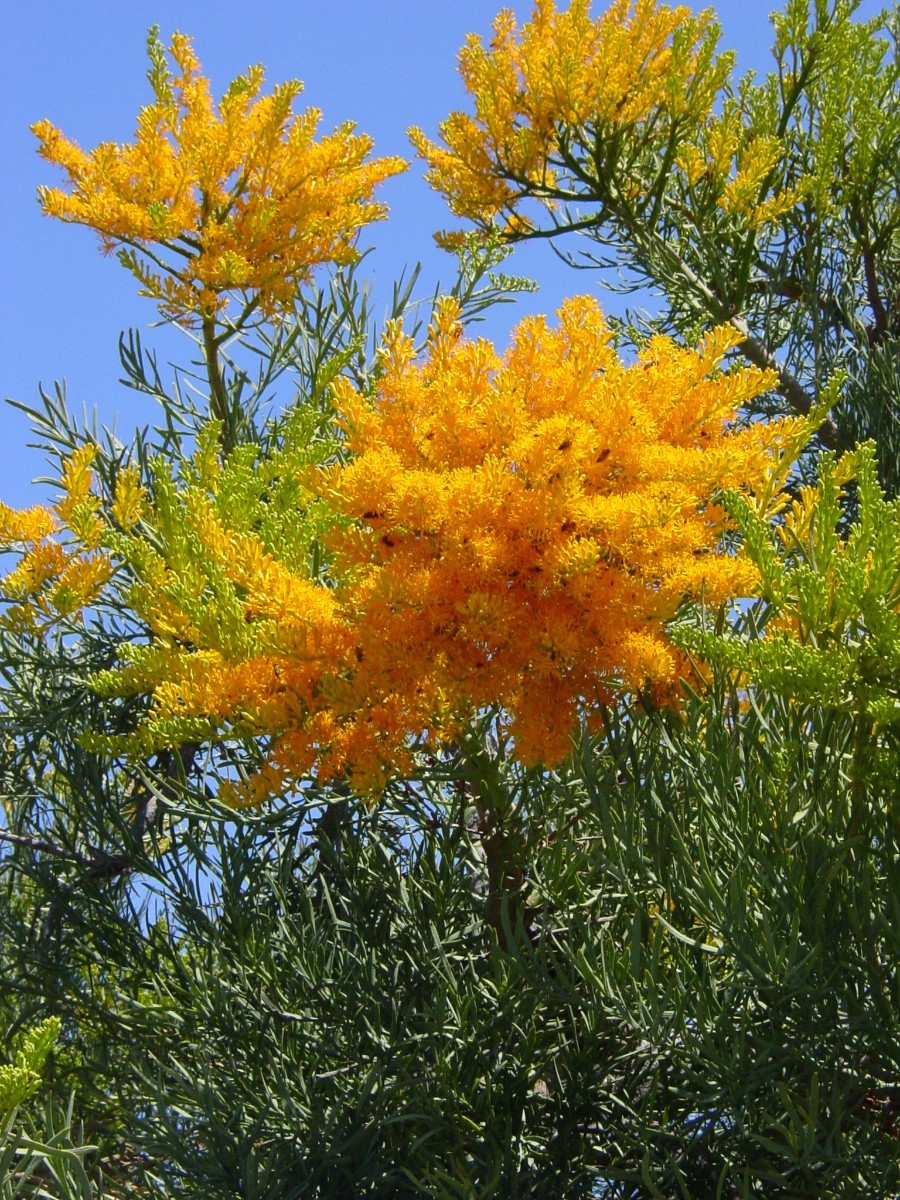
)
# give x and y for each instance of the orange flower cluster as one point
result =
(241, 200)
(514, 532)
(565, 80)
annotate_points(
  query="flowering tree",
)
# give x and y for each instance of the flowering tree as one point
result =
(767, 205)
(209, 204)
(398, 801)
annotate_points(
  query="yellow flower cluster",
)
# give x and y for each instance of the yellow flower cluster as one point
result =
(514, 532)
(736, 169)
(241, 199)
(526, 526)
(50, 581)
(566, 78)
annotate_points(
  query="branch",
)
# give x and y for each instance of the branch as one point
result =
(874, 296)
(751, 347)
(218, 395)
(793, 289)
(34, 843)
(96, 864)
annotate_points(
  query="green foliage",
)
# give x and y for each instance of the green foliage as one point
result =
(43, 1162)
(831, 585)
(21, 1078)
(49, 1165)
(692, 985)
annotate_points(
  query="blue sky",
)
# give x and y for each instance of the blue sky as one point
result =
(386, 64)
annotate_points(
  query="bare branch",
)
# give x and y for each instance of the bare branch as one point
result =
(34, 843)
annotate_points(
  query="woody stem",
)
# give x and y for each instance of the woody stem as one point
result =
(218, 396)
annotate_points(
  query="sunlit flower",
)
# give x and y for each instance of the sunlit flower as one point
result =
(510, 531)
(240, 198)
(558, 84)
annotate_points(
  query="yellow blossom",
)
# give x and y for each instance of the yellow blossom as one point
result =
(28, 525)
(514, 531)
(211, 200)
(738, 170)
(128, 504)
(565, 78)
(63, 569)
(571, 109)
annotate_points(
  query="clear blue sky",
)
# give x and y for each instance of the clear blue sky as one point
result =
(386, 64)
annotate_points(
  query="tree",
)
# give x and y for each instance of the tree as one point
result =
(397, 802)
